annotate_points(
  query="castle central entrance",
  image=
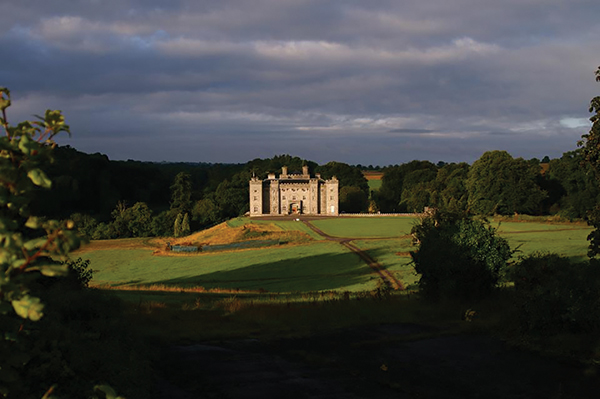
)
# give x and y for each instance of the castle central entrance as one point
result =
(295, 208)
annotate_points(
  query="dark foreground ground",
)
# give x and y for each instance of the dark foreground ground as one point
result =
(387, 361)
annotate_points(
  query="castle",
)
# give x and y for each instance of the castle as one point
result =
(294, 194)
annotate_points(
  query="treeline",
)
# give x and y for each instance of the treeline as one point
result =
(120, 199)
(117, 199)
(496, 183)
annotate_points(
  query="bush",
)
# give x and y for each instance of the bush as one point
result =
(458, 257)
(79, 272)
(555, 295)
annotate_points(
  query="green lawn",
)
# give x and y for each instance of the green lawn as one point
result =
(564, 239)
(374, 185)
(510, 227)
(366, 227)
(386, 253)
(315, 267)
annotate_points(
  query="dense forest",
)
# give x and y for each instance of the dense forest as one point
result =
(112, 199)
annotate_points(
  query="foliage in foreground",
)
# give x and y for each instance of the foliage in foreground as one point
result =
(591, 152)
(56, 339)
(458, 257)
(554, 295)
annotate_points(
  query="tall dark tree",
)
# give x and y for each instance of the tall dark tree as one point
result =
(353, 200)
(571, 185)
(389, 196)
(415, 193)
(449, 190)
(181, 193)
(501, 184)
(348, 176)
(591, 152)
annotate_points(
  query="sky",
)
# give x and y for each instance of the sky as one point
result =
(362, 82)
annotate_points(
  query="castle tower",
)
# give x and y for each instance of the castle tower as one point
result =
(256, 196)
(331, 197)
(274, 197)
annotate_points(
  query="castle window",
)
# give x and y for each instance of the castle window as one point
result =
(255, 198)
(255, 209)
(331, 198)
(283, 198)
(304, 197)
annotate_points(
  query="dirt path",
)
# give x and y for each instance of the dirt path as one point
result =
(385, 275)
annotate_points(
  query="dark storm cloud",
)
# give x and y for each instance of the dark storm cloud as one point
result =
(377, 83)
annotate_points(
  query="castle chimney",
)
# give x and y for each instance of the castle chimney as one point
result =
(284, 171)
(305, 170)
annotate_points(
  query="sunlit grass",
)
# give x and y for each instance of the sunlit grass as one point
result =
(569, 243)
(315, 267)
(284, 225)
(394, 256)
(367, 226)
(374, 184)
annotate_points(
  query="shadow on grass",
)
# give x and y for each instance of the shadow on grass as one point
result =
(310, 273)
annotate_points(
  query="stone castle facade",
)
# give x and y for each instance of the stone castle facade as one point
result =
(294, 194)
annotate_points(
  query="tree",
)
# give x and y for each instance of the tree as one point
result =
(346, 174)
(206, 212)
(28, 242)
(415, 189)
(571, 185)
(448, 191)
(185, 225)
(353, 199)
(457, 257)
(499, 184)
(139, 220)
(389, 196)
(181, 193)
(177, 226)
(591, 152)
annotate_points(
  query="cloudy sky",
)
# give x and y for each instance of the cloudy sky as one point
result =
(371, 82)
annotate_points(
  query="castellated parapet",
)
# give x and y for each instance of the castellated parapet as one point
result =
(294, 194)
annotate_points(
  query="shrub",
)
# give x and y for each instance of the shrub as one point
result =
(79, 272)
(556, 295)
(458, 257)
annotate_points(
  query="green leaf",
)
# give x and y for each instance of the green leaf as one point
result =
(35, 243)
(107, 390)
(26, 145)
(51, 270)
(29, 308)
(39, 178)
(4, 98)
(33, 222)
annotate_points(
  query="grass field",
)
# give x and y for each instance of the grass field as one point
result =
(284, 225)
(367, 227)
(308, 264)
(393, 255)
(320, 266)
(374, 184)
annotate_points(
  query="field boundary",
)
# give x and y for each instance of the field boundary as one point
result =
(341, 215)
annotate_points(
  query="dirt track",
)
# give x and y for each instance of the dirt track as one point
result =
(385, 275)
